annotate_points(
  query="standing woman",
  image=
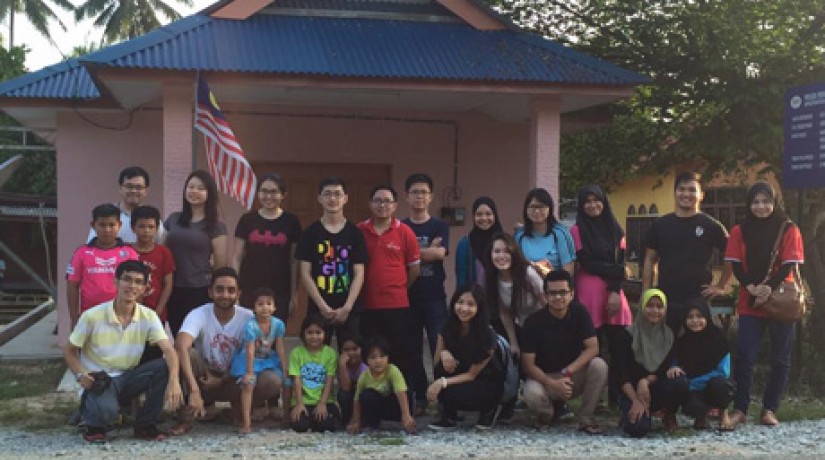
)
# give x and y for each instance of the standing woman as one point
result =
(265, 247)
(749, 252)
(197, 239)
(513, 288)
(545, 242)
(600, 247)
(464, 378)
(471, 249)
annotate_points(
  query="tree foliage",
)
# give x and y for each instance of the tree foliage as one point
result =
(127, 19)
(37, 12)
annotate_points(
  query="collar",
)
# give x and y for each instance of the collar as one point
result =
(111, 316)
(370, 225)
(118, 243)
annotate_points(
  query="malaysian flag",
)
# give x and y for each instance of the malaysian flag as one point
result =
(226, 159)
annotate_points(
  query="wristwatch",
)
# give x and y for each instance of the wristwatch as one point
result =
(566, 373)
(79, 376)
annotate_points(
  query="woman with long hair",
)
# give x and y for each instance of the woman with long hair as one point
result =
(471, 248)
(600, 272)
(749, 252)
(513, 287)
(545, 242)
(265, 247)
(197, 239)
(464, 377)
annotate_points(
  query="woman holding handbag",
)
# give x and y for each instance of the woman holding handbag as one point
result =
(765, 251)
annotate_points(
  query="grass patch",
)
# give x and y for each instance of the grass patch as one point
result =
(796, 408)
(20, 381)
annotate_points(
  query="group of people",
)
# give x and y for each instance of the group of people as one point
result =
(547, 298)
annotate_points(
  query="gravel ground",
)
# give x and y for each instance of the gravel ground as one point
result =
(805, 439)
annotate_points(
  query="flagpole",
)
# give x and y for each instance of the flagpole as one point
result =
(195, 131)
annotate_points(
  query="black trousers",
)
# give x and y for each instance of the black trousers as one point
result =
(181, 302)
(676, 393)
(376, 407)
(481, 395)
(308, 422)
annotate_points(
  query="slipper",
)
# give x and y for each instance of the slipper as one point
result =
(670, 423)
(701, 424)
(738, 417)
(768, 418)
(591, 429)
(180, 429)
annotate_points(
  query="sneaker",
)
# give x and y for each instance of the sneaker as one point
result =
(95, 435)
(443, 424)
(149, 433)
(487, 420)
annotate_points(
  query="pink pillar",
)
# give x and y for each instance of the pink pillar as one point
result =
(177, 142)
(545, 136)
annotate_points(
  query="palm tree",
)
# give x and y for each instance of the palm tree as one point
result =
(125, 19)
(38, 13)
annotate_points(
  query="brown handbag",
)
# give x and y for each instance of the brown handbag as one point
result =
(788, 301)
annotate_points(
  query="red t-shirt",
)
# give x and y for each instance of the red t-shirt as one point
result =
(390, 253)
(790, 250)
(93, 268)
(160, 263)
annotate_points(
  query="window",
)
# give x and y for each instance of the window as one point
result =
(727, 205)
(636, 230)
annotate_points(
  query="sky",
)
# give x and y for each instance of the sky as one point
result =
(42, 53)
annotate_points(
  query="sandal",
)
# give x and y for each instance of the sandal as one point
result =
(701, 423)
(180, 429)
(591, 428)
(726, 423)
(670, 423)
(768, 418)
(738, 417)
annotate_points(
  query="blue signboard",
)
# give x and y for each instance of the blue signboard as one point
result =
(804, 159)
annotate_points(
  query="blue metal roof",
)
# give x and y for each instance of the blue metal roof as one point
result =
(334, 47)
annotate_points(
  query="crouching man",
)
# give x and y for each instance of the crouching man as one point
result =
(104, 351)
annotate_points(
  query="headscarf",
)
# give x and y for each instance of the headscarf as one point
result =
(651, 343)
(480, 239)
(760, 234)
(600, 235)
(698, 353)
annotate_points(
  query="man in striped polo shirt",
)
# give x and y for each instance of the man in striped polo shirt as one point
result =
(110, 338)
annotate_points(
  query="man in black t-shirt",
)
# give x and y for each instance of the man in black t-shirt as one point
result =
(680, 247)
(332, 255)
(559, 354)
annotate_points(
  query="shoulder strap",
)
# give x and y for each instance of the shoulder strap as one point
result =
(775, 250)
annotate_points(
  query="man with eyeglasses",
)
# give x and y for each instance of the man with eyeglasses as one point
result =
(104, 352)
(559, 355)
(134, 188)
(394, 265)
(331, 255)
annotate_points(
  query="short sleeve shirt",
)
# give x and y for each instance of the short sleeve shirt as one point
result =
(160, 263)
(430, 283)
(391, 381)
(93, 268)
(192, 249)
(267, 251)
(216, 342)
(557, 247)
(791, 250)
(313, 369)
(105, 345)
(685, 248)
(332, 258)
(557, 342)
(390, 253)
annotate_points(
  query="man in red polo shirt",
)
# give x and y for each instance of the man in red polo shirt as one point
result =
(392, 267)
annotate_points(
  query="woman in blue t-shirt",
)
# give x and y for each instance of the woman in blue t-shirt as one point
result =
(545, 242)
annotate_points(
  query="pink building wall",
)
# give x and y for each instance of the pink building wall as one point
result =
(493, 160)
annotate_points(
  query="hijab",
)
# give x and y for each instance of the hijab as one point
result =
(760, 234)
(651, 343)
(698, 353)
(480, 239)
(600, 235)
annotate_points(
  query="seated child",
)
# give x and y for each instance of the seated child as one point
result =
(312, 368)
(350, 367)
(381, 392)
(256, 354)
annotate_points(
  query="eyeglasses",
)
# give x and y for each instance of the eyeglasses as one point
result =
(537, 207)
(335, 194)
(133, 187)
(557, 293)
(419, 192)
(382, 202)
(269, 191)
(128, 280)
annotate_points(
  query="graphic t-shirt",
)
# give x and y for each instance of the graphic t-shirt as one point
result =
(216, 342)
(267, 253)
(685, 247)
(430, 283)
(313, 368)
(94, 269)
(160, 263)
(391, 381)
(332, 257)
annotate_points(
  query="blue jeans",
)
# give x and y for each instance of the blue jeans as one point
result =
(102, 410)
(432, 315)
(748, 343)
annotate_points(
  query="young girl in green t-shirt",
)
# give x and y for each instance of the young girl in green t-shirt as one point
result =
(381, 392)
(312, 368)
